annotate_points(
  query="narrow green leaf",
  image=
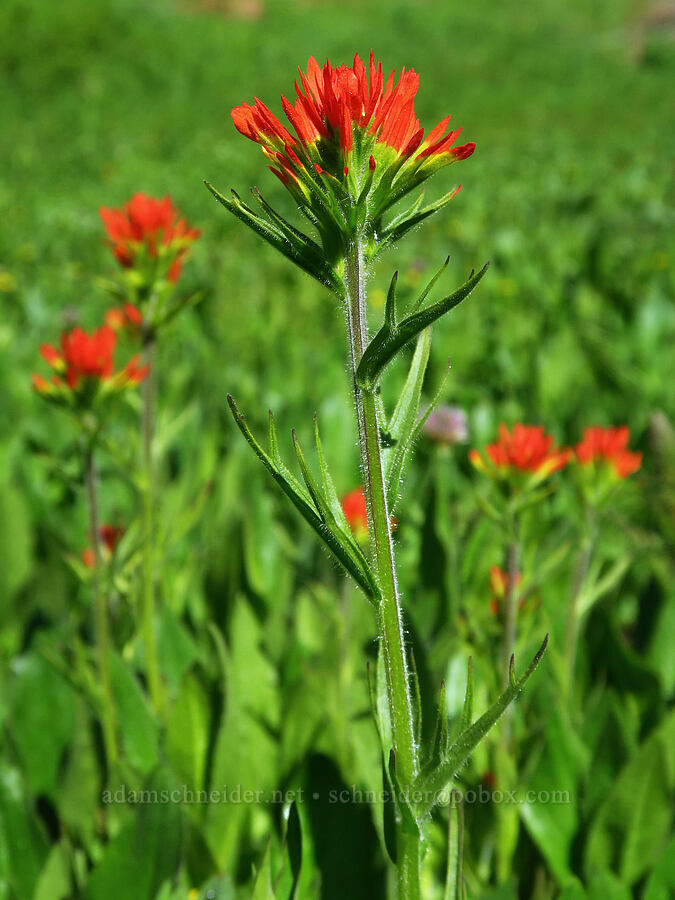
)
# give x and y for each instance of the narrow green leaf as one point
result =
(425, 293)
(467, 712)
(454, 880)
(402, 427)
(344, 548)
(432, 782)
(274, 444)
(388, 342)
(262, 889)
(417, 698)
(407, 816)
(294, 846)
(282, 241)
(441, 737)
(327, 481)
(390, 306)
(395, 231)
(634, 821)
(140, 730)
(146, 852)
(294, 235)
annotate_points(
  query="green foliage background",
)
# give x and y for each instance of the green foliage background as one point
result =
(570, 196)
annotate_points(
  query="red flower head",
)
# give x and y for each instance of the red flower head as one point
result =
(528, 449)
(109, 537)
(356, 514)
(353, 142)
(148, 236)
(84, 368)
(608, 447)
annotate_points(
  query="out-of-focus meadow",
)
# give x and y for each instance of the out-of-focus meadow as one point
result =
(262, 643)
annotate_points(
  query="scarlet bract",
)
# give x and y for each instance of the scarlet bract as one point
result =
(610, 446)
(150, 228)
(528, 449)
(85, 363)
(356, 514)
(354, 136)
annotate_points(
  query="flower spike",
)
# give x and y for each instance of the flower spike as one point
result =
(353, 148)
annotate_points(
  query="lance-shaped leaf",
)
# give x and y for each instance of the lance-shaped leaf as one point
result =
(389, 340)
(313, 506)
(407, 820)
(402, 225)
(467, 711)
(295, 245)
(440, 743)
(434, 780)
(403, 427)
(454, 880)
(417, 697)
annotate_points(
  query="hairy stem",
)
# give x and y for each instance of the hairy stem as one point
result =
(101, 613)
(148, 584)
(390, 619)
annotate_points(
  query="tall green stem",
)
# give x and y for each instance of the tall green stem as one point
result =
(148, 585)
(390, 619)
(101, 613)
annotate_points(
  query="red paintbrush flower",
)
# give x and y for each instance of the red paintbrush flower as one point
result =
(353, 141)
(527, 449)
(521, 459)
(608, 446)
(356, 513)
(84, 368)
(149, 235)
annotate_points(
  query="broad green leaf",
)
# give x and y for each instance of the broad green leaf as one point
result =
(263, 889)
(389, 341)
(42, 720)
(661, 882)
(15, 545)
(187, 737)
(246, 753)
(79, 793)
(55, 881)
(23, 847)
(431, 782)
(598, 588)
(147, 851)
(632, 826)
(574, 890)
(177, 650)
(560, 762)
(313, 508)
(139, 728)
(606, 886)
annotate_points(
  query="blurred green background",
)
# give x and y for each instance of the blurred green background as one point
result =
(569, 194)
